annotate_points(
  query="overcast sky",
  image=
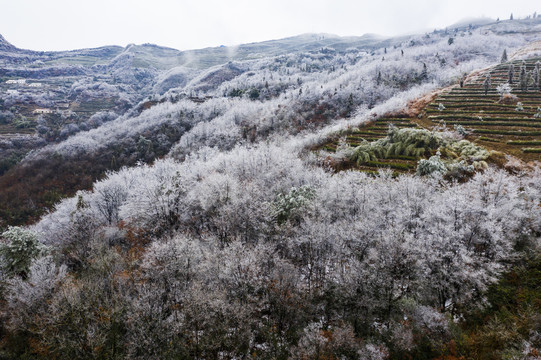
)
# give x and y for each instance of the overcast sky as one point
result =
(190, 24)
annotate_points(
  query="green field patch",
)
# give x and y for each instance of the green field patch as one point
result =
(524, 142)
(369, 133)
(481, 112)
(446, 100)
(532, 150)
(484, 138)
(480, 105)
(496, 123)
(477, 118)
(12, 129)
(329, 148)
(386, 126)
(399, 120)
(402, 157)
(84, 60)
(392, 165)
(504, 132)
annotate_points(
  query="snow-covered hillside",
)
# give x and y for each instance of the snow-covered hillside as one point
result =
(205, 220)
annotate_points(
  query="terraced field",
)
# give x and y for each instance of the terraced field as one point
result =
(487, 121)
(490, 123)
(373, 132)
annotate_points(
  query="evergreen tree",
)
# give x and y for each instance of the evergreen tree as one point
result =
(537, 75)
(510, 74)
(486, 83)
(504, 56)
(511, 17)
(523, 77)
(424, 72)
(20, 247)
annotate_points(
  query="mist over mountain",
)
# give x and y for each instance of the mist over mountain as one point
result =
(312, 197)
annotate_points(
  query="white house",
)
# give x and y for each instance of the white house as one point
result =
(42, 111)
(35, 84)
(12, 92)
(18, 81)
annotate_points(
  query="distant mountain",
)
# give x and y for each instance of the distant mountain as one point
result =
(471, 21)
(164, 58)
(205, 58)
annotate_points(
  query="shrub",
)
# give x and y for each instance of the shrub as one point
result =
(19, 248)
(468, 150)
(461, 169)
(286, 206)
(432, 166)
(537, 115)
(460, 130)
(504, 90)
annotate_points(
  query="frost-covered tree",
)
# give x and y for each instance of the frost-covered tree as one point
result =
(27, 299)
(236, 244)
(523, 77)
(537, 75)
(503, 90)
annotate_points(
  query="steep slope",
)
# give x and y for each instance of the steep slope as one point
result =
(227, 239)
(239, 102)
(507, 121)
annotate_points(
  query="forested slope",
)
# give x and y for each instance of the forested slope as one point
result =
(227, 218)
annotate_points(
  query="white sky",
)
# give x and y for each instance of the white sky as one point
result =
(190, 24)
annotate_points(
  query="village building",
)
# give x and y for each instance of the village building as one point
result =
(18, 81)
(42, 111)
(37, 84)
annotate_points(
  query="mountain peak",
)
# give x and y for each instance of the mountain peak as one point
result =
(5, 45)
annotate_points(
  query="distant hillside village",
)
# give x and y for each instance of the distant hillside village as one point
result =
(59, 107)
(23, 82)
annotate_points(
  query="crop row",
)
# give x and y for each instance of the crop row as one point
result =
(504, 132)
(494, 123)
(392, 165)
(524, 142)
(484, 138)
(482, 118)
(476, 105)
(432, 111)
(532, 150)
